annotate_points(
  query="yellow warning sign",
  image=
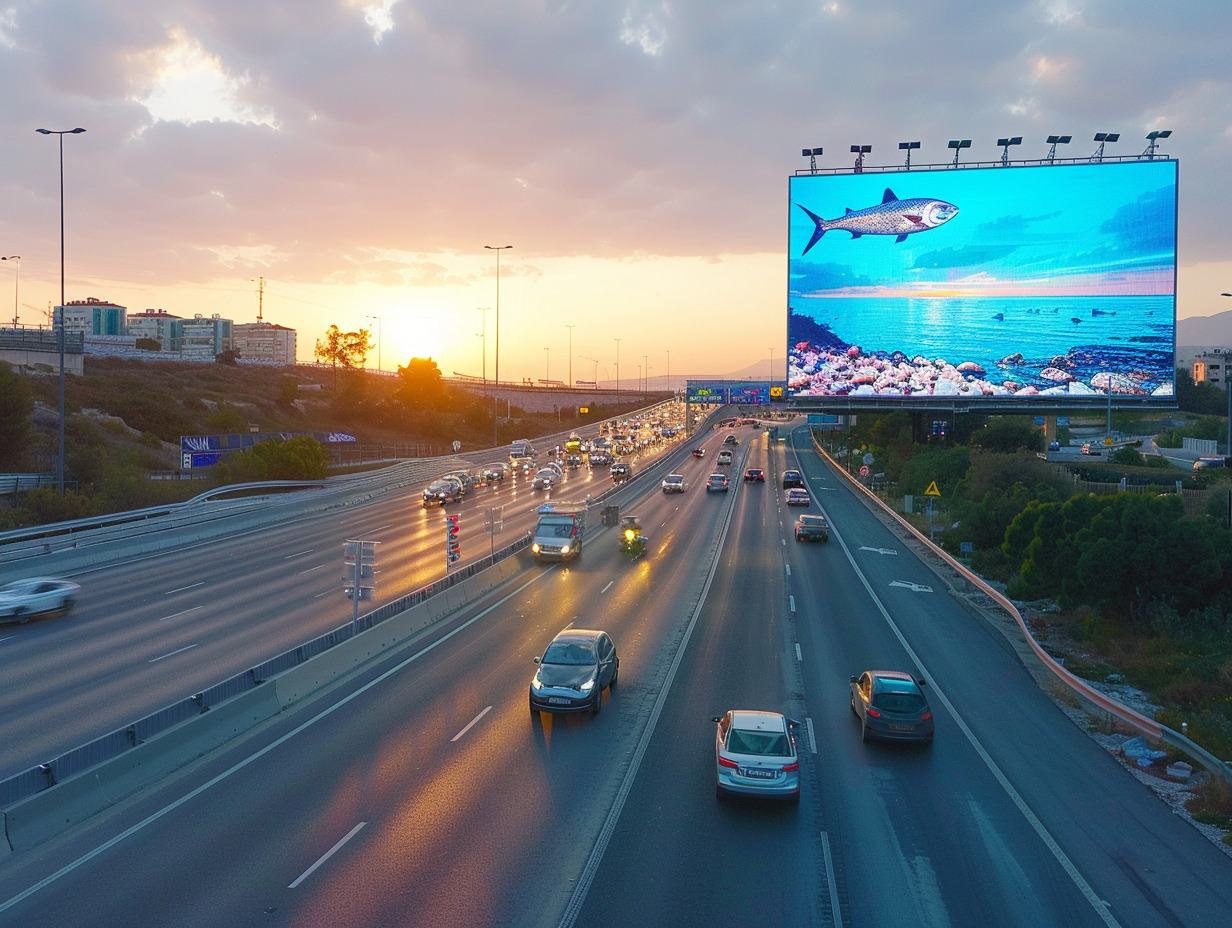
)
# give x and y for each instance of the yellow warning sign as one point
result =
(932, 490)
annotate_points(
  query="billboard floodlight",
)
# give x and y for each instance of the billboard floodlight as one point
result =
(1005, 148)
(1103, 138)
(860, 151)
(1054, 141)
(811, 154)
(958, 145)
(1153, 141)
(908, 147)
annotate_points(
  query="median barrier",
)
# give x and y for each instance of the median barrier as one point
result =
(32, 821)
(298, 682)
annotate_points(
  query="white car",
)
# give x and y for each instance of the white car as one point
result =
(22, 599)
(546, 478)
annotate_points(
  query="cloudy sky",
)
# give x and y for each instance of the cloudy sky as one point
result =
(635, 153)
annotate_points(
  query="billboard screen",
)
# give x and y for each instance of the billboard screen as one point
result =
(1048, 283)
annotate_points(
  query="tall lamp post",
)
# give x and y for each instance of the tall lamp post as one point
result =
(618, 371)
(569, 326)
(496, 375)
(16, 284)
(60, 328)
(484, 335)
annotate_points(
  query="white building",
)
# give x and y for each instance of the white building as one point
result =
(264, 341)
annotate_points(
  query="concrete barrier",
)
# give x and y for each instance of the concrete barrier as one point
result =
(32, 821)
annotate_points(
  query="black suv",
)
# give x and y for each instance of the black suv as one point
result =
(792, 478)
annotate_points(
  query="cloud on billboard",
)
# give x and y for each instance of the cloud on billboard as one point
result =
(1050, 281)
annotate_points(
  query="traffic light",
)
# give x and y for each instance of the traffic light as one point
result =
(453, 548)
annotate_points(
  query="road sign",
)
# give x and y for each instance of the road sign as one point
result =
(932, 490)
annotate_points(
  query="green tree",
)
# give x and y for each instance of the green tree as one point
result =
(1009, 434)
(16, 406)
(288, 390)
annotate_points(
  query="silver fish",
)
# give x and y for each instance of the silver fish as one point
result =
(891, 216)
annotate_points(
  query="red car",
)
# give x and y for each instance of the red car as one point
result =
(754, 475)
(699, 452)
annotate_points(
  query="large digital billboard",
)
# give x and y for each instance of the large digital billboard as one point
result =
(1044, 283)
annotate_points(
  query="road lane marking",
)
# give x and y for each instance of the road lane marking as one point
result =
(792, 603)
(183, 588)
(808, 723)
(471, 724)
(328, 854)
(311, 569)
(176, 615)
(291, 557)
(878, 550)
(788, 567)
(606, 588)
(799, 655)
(914, 587)
(155, 660)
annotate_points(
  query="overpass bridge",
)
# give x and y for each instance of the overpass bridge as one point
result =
(38, 350)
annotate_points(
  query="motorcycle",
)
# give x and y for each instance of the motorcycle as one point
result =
(632, 541)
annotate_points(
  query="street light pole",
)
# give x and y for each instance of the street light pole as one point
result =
(484, 335)
(569, 326)
(496, 375)
(16, 284)
(547, 365)
(60, 328)
(618, 371)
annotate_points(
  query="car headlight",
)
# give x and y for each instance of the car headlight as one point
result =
(564, 549)
(588, 685)
(536, 684)
(535, 547)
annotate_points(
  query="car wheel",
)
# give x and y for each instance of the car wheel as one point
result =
(21, 616)
(863, 731)
(615, 674)
(597, 704)
(719, 792)
(68, 603)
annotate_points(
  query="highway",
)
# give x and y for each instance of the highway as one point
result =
(423, 792)
(150, 630)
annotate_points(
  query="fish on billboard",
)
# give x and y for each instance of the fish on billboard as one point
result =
(891, 216)
(1058, 281)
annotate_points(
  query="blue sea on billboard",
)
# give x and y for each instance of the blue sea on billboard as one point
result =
(1040, 280)
(1025, 346)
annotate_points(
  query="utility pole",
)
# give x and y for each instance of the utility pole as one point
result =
(260, 296)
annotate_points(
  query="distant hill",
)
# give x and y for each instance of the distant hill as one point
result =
(1213, 330)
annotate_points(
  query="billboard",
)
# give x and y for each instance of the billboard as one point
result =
(1043, 284)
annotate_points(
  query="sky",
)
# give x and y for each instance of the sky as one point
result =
(350, 160)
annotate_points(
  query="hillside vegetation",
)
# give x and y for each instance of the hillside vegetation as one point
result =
(124, 419)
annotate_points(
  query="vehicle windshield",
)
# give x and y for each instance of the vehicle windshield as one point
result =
(775, 744)
(906, 703)
(569, 652)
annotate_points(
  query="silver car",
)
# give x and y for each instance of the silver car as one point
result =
(573, 672)
(755, 755)
(23, 599)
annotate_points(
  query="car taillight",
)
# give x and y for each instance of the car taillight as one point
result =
(927, 715)
(724, 762)
(873, 712)
(790, 767)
